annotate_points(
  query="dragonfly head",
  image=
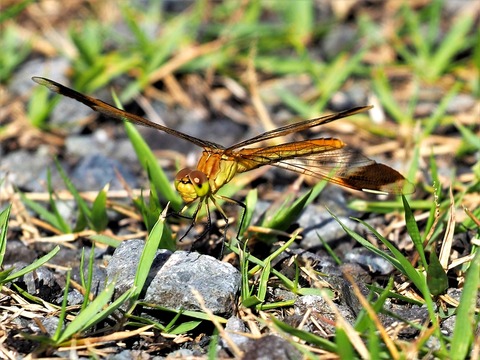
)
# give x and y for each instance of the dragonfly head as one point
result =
(191, 184)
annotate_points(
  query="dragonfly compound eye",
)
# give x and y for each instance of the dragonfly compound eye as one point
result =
(182, 175)
(200, 182)
(191, 184)
(184, 186)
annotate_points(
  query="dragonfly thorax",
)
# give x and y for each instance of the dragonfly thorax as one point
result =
(192, 184)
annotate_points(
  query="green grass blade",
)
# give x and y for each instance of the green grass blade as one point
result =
(190, 313)
(82, 205)
(184, 327)
(4, 216)
(62, 225)
(344, 346)
(149, 162)
(88, 283)
(413, 231)
(288, 214)
(250, 203)
(469, 136)
(105, 312)
(334, 76)
(212, 346)
(437, 280)
(106, 240)
(435, 119)
(36, 264)
(12, 11)
(306, 336)
(83, 319)
(153, 243)
(40, 106)
(467, 320)
(63, 311)
(382, 89)
(300, 20)
(450, 46)
(99, 210)
(44, 214)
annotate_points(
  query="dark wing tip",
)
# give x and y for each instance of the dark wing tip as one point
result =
(399, 187)
(378, 178)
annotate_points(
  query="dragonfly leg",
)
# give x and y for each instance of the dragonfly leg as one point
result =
(208, 226)
(193, 218)
(242, 219)
(225, 218)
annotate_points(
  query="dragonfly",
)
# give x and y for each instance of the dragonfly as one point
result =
(327, 159)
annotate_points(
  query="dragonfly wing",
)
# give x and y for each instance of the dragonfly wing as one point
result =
(299, 126)
(252, 158)
(350, 169)
(112, 111)
(329, 159)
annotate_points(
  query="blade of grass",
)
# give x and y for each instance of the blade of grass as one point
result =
(345, 348)
(62, 225)
(148, 255)
(449, 46)
(12, 11)
(44, 214)
(87, 284)
(157, 177)
(99, 210)
(287, 214)
(63, 308)
(384, 92)
(305, 336)
(437, 280)
(82, 205)
(4, 216)
(84, 319)
(190, 313)
(36, 264)
(250, 203)
(467, 320)
(413, 231)
(106, 240)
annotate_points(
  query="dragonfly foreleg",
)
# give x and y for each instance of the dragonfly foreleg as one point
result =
(193, 218)
(242, 219)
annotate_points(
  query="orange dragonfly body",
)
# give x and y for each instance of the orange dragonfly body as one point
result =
(322, 158)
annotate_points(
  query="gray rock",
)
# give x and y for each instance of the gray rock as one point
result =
(461, 102)
(339, 38)
(271, 347)
(173, 276)
(50, 324)
(322, 313)
(74, 298)
(17, 250)
(370, 260)
(25, 169)
(129, 355)
(40, 282)
(217, 282)
(448, 325)
(21, 82)
(318, 222)
(86, 145)
(234, 327)
(123, 272)
(408, 313)
(95, 171)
